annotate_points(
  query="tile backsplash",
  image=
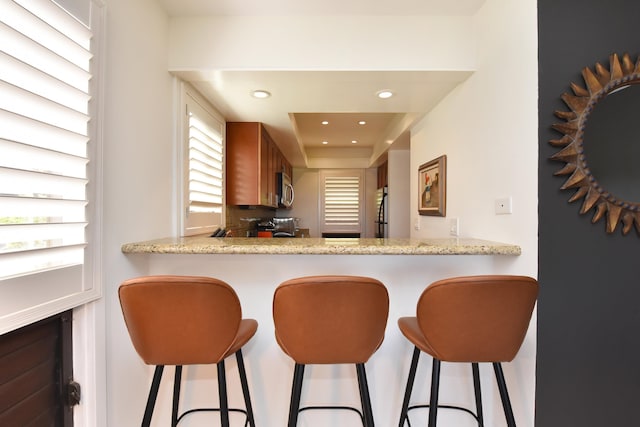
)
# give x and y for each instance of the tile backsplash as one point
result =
(242, 221)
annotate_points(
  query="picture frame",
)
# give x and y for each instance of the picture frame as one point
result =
(432, 187)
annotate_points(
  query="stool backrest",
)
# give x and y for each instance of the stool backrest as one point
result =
(477, 318)
(180, 320)
(330, 319)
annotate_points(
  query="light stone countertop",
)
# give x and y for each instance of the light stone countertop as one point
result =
(320, 246)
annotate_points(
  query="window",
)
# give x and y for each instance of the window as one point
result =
(48, 162)
(341, 202)
(203, 163)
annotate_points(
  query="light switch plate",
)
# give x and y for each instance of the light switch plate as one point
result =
(503, 206)
(454, 227)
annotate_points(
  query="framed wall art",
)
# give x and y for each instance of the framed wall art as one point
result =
(432, 187)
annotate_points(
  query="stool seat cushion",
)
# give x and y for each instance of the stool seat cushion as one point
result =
(183, 320)
(474, 318)
(330, 319)
(411, 330)
(246, 331)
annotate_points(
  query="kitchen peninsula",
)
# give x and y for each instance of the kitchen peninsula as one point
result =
(321, 246)
(254, 267)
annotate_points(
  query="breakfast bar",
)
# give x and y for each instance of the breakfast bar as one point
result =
(254, 267)
(320, 246)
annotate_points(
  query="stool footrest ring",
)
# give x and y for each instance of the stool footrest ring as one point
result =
(190, 411)
(458, 408)
(348, 408)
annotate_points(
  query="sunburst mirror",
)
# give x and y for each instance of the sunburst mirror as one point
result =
(616, 206)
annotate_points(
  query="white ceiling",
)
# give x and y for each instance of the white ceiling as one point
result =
(300, 100)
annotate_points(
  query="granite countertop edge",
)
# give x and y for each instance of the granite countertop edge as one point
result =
(320, 246)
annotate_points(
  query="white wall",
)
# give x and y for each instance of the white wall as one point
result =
(399, 179)
(139, 183)
(306, 203)
(322, 43)
(487, 127)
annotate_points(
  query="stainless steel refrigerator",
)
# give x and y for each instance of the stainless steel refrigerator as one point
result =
(382, 220)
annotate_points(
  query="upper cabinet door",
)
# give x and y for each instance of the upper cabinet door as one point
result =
(253, 159)
(243, 163)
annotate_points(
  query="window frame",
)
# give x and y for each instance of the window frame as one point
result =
(32, 297)
(190, 224)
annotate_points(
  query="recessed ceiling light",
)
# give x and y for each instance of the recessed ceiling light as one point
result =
(325, 142)
(324, 122)
(260, 94)
(384, 94)
(354, 142)
(362, 122)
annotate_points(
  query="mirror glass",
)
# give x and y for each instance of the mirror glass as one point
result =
(612, 143)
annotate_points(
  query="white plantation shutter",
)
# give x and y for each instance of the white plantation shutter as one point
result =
(205, 166)
(204, 163)
(342, 201)
(46, 64)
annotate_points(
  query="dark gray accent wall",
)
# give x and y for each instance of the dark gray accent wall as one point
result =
(588, 369)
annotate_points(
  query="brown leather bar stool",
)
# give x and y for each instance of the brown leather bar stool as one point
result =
(187, 320)
(469, 319)
(330, 320)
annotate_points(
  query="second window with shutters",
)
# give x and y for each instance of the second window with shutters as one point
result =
(203, 166)
(341, 202)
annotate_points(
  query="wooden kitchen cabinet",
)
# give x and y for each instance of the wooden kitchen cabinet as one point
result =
(383, 175)
(253, 159)
(283, 165)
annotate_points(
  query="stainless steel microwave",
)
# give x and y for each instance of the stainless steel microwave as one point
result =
(285, 190)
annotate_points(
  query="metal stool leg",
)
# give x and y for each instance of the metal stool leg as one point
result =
(153, 394)
(222, 391)
(296, 391)
(478, 393)
(245, 388)
(504, 395)
(176, 396)
(365, 398)
(435, 386)
(409, 389)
